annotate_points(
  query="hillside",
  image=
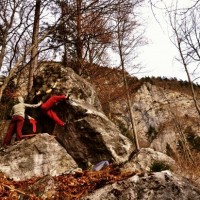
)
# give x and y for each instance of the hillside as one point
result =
(164, 111)
(105, 78)
(98, 129)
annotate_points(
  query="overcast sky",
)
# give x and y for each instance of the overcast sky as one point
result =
(159, 55)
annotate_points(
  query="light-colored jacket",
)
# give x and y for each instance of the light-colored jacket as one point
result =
(19, 109)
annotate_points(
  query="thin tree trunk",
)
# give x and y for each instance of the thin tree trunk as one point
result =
(79, 42)
(130, 111)
(185, 67)
(135, 139)
(189, 79)
(2, 54)
(34, 52)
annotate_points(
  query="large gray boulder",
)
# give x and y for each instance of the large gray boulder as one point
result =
(37, 156)
(160, 186)
(91, 137)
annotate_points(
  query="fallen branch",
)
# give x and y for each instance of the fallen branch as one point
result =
(13, 189)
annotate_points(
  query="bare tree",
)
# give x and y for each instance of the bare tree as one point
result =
(12, 19)
(21, 59)
(186, 31)
(126, 44)
(184, 23)
(185, 26)
(16, 40)
(87, 33)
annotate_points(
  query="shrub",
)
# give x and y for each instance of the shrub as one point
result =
(158, 166)
(151, 133)
(169, 151)
(194, 141)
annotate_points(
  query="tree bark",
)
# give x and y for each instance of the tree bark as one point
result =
(34, 52)
(79, 46)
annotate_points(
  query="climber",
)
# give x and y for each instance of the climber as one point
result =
(17, 121)
(50, 98)
(47, 106)
(46, 92)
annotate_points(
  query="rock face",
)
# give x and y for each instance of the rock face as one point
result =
(67, 81)
(159, 114)
(145, 158)
(92, 137)
(38, 156)
(160, 186)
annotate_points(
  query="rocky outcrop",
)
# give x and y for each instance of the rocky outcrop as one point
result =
(161, 116)
(67, 82)
(43, 156)
(143, 160)
(160, 186)
(92, 137)
(37, 156)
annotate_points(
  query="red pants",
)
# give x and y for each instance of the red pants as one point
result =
(16, 125)
(33, 122)
(47, 108)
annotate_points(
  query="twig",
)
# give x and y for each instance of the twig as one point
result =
(19, 191)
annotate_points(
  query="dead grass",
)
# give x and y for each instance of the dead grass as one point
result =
(188, 168)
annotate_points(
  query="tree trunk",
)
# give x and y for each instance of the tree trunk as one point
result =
(79, 46)
(135, 137)
(34, 52)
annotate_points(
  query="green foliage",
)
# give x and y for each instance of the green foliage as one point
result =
(169, 151)
(124, 130)
(151, 133)
(158, 166)
(194, 141)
